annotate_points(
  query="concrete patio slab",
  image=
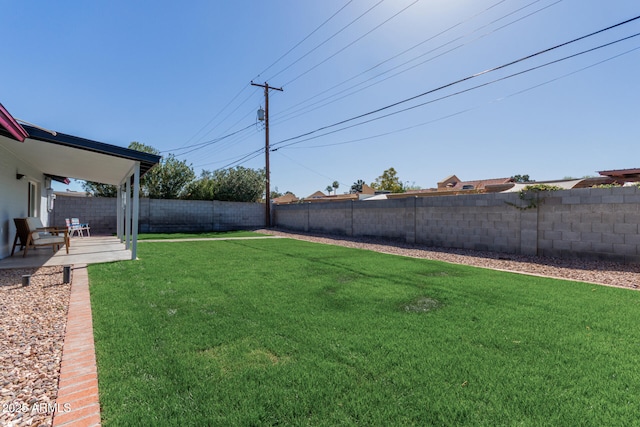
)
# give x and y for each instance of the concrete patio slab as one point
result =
(82, 250)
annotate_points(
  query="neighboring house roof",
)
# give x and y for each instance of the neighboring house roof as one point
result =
(623, 174)
(453, 183)
(287, 198)
(319, 196)
(564, 184)
(316, 195)
(375, 197)
(367, 189)
(63, 155)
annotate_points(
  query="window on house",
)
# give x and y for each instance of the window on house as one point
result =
(32, 208)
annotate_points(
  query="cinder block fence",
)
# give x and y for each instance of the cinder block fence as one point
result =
(594, 223)
(161, 216)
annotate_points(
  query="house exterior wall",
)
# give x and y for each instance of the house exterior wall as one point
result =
(14, 196)
(160, 215)
(594, 223)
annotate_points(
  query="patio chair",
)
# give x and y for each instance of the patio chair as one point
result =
(73, 228)
(38, 235)
(75, 222)
(22, 234)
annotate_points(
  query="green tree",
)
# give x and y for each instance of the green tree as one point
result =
(97, 189)
(328, 189)
(166, 180)
(357, 187)
(388, 181)
(521, 178)
(201, 188)
(275, 193)
(335, 186)
(169, 179)
(237, 184)
(412, 186)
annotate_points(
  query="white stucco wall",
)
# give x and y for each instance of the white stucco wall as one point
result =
(14, 196)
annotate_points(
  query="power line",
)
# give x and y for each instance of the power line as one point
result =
(370, 137)
(464, 90)
(216, 115)
(255, 153)
(350, 44)
(291, 115)
(195, 147)
(303, 40)
(481, 73)
(326, 41)
(308, 168)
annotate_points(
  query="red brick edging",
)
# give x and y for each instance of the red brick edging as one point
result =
(77, 403)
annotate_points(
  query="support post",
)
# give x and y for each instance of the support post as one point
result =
(127, 214)
(119, 216)
(136, 210)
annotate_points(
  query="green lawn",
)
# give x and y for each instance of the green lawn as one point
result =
(283, 332)
(204, 235)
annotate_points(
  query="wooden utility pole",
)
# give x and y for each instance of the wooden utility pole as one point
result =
(266, 149)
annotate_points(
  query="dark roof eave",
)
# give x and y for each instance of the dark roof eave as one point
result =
(147, 160)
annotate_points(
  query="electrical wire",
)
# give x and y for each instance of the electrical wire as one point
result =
(326, 40)
(216, 116)
(462, 91)
(481, 73)
(303, 40)
(308, 168)
(350, 44)
(280, 118)
(258, 152)
(195, 147)
(520, 92)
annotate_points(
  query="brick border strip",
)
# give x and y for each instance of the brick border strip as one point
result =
(77, 403)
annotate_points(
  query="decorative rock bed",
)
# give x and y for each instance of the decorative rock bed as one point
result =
(32, 326)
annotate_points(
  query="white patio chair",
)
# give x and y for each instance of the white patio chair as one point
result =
(75, 222)
(72, 229)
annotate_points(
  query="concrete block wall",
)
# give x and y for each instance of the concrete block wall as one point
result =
(333, 218)
(480, 222)
(382, 218)
(98, 212)
(295, 216)
(595, 223)
(165, 216)
(162, 216)
(235, 215)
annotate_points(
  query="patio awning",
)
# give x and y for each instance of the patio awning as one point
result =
(63, 155)
(58, 155)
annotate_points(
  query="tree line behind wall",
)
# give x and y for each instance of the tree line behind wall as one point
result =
(175, 179)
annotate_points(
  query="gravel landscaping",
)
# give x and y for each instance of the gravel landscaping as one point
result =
(32, 325)
(598, 272)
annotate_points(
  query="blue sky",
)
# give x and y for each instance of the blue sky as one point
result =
(176, 76)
